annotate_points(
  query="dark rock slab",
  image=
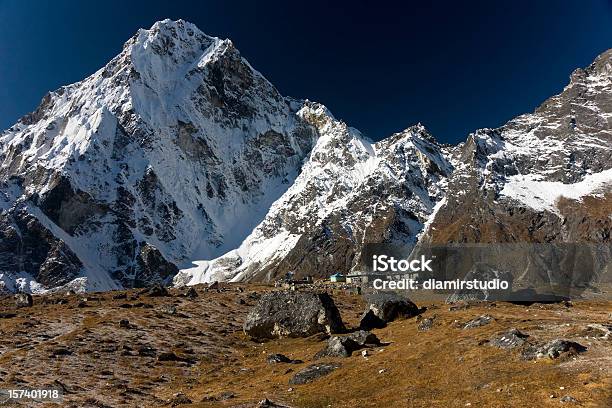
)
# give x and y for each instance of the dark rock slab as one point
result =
(312, 373)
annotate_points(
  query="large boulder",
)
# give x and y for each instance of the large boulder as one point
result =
(293, 314)
(385, 307)
(343, 346)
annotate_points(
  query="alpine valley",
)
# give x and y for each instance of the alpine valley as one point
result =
(179, 163)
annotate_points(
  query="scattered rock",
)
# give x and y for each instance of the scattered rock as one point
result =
(511, 339)
(553, 349)
(23, 300)
(364, 353)
(157, 291)
(170, 356)
(460, 305)
(213, 286)
(293, 314)
(224, 396)
(120, 296)
(569, 399)
(191, 293)
(60, 351)
(426, 324)
(124, 323)
(281, 358)
(7, 315)
(370, 321)
(478, 322)
(168, 309)
(146, 351)
(343, 346)
(387, 306)
(266, 403)
(179, 399)
(312, 372)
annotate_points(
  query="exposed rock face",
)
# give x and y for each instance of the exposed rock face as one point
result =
(293, 314)
(385, 307)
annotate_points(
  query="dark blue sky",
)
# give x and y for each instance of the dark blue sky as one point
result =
(380, 66)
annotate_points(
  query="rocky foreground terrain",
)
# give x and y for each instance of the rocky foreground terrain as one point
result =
(188, 347)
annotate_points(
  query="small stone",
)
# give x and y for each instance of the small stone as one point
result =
(426, 324)
(281, 358)
(224, 396)
(168, 309)
(569, 399)
(364, 353)
(179, 399)
(124, 323)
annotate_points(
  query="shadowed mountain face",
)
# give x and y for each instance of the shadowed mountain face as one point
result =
(179, 162)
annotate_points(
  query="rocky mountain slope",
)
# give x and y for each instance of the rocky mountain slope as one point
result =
(544, 177)
(178, 162)
(351, 192)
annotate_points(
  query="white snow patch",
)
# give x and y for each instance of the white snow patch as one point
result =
(543, 195)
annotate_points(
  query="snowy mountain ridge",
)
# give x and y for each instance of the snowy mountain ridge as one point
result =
(179, 163)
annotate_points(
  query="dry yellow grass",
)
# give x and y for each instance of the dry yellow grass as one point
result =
(443, 367)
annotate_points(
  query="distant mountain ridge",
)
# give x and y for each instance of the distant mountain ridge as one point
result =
(179, 163)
